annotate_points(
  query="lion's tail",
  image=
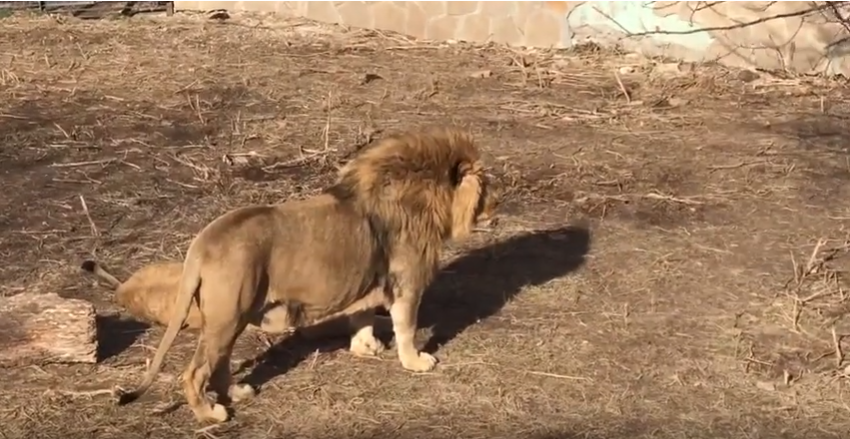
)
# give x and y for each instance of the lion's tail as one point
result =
(189, 283)
(95, 268)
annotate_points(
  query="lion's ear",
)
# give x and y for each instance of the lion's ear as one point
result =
(467, 193)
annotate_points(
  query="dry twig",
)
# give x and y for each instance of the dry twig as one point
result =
(622, 87)
(815, 264)
(88, 163)
(839, 354)
(94, 231)
(82, 393)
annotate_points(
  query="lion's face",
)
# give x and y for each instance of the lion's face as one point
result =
(488, 203)
(476, 200)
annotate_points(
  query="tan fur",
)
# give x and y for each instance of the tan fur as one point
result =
(151, 293)
(372, 239)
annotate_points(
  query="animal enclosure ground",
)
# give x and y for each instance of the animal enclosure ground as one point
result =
(655, 273)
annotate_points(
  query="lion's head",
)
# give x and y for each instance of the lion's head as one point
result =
(487, 204)
(431, 182)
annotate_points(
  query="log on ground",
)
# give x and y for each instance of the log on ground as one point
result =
(46, 328)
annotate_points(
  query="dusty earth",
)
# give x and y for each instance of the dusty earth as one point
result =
(654, 274)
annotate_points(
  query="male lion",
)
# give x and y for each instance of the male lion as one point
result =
(372, 239)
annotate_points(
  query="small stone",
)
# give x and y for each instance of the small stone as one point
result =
(687, 67)
(369, 77)
(765, 385)
(677, 102)
(747, 75)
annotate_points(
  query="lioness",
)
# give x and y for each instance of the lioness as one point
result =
(372, 239)
(151, 292)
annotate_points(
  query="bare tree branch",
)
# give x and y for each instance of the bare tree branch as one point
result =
(830, 6)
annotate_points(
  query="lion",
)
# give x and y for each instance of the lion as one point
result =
(151, 292)
(372, 239)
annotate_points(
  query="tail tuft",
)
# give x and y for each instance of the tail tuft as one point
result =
(125, 398)
(89, 266)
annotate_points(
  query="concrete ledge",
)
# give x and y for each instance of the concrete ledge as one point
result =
(800, 37)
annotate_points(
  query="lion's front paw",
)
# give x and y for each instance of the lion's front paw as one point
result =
(418, 362)
(364, 346)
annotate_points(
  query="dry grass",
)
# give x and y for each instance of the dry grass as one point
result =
(677, 319)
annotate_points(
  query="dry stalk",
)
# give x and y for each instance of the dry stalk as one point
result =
(839, 355)
(328, 122)
(811, 265)
(736, 165)
(652, 195)
(203, 170)
(814, 265)
(64, 133)
(310, 154)
(94, 231)
(622, 87)
(77, 393)
(520, 62)
(555, 375)
(76, 164)
(206, 431)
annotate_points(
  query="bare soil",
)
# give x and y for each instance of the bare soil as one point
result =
(668, 264)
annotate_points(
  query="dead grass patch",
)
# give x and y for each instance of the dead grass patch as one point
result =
(121, 138)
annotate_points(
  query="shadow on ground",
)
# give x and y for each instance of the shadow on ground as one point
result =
(480, 283)
(819, 143)
(815, 132)
(119, 334)
(618, 429)
(473, 287)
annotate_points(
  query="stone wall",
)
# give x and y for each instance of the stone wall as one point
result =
(800, 37)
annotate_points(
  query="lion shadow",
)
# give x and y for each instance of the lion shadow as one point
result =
(121, 333)
(480, 283)
(471, 288)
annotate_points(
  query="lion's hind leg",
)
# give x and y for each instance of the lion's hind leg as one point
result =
(226, 316)
(223, 319)
(220, 341)
(194, 380)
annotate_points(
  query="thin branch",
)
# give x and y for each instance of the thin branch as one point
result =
(720, 28)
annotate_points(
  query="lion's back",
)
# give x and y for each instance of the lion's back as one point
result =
(244, 231)
(325, 251)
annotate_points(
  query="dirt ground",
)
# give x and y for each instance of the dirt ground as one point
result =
(668, 264)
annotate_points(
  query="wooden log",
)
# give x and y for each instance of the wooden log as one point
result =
(46, 328)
